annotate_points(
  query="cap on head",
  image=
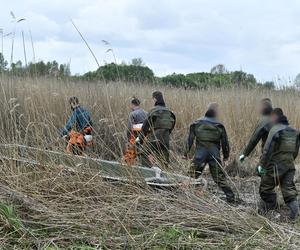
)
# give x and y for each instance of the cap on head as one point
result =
(135, 101)
(74, 100)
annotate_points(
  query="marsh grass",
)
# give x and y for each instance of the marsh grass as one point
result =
(34, 111)
(60, 209)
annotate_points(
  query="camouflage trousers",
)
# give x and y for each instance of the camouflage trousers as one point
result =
(278, 175)
(211, 157)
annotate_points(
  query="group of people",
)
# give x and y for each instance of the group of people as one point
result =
(149, 140)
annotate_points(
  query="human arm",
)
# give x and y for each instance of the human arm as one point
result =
(297, 147)
(225, 144)
(174, 123)
(146, 127)
(67, 128)
(257, 135)
(190, 140)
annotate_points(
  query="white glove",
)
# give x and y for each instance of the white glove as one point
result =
(261, 171)
(242, 158)
(88, 138)
(137, 140)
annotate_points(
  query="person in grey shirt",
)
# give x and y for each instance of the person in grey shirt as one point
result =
(135, 122)
(136, 117)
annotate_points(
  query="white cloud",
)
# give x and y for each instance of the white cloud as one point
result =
(261, 37)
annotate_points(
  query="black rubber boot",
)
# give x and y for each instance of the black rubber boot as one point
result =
(230, 197)
(265, 207)
(271, 205)
(294, 209)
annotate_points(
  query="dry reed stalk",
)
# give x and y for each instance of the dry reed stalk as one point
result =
(79, 208)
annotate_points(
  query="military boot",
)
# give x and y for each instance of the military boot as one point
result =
(230, 197)
(265, 207)
(294, 209)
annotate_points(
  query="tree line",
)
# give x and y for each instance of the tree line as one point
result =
(40, 69)
(137, 71)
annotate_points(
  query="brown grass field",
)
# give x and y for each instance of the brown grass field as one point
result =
(49, 208)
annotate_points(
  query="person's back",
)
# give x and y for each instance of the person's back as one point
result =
(138, 116)
(156, 130)
(82, 118)
(277, 164)
(78, 128)
(79, 119)
(135, 123)
(287, 146)
(208, 132)
(162, 122)
(282, 145)
(136, 119)
(210, 136)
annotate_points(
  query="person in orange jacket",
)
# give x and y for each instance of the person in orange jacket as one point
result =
(78, 128)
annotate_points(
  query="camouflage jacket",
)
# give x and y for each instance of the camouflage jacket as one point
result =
(281, 147)
(208, 132)
(159, 124)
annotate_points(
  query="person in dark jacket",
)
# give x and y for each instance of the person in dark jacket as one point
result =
(277, 164)
(210, 136)
(156, 131)
(78, 128)
(261, 130)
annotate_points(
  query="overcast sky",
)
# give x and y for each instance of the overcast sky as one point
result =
(260, 37)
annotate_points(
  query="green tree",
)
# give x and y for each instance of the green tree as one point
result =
(117, 72)
(218, 69)
(3, 63)
(297, 81)
(178, 80)
(137, 62)
(17, 68)
(269, 85)
(64, 70)
(242, 79)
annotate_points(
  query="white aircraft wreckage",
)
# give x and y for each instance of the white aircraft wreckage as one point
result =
(108, 170)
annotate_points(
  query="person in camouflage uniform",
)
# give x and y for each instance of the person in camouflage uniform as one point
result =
(261, 130)
(210, 137)
(277, 164)
(156, 131)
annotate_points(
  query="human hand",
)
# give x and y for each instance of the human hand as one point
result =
(261, 171)
(242, 158)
